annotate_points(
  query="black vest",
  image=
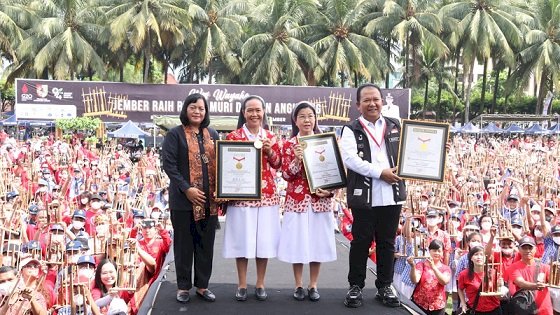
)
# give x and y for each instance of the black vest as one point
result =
(358, 183)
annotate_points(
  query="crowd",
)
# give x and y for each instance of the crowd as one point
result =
(85, 230)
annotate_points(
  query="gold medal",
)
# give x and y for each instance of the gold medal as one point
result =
(258, 144)
(321, 158)
(239, 165)
(303, 145)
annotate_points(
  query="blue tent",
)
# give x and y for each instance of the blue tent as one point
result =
(536, 129)
(10, 121)
(128, 130)
(555, 130)
(514, 129)
(470, 128)
(491, 128)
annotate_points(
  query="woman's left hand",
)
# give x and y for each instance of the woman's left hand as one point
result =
(267, 145)
(323, 193)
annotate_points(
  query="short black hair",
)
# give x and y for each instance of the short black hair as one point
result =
(435, 244)
(193, 98)
(241, 119)
(300, 106)
(367, 85)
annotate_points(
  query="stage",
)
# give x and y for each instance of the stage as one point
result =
(279, 286)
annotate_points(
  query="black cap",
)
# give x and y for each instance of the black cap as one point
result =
(432, 213)
(527, 240)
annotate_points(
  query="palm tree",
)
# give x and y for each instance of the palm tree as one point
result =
(14, 18)
(341, 44)
(218, 25)
(413, 24)
(277, 53)
(62, 39)
(483, 27)
(148, 24)
(540, 57)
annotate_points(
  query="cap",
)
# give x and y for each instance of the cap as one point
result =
(26, 260)
(471, 226)
(79, 213)
(555, 229)
(32, 245)
(33, 209)
(432, 213)
(453, 203)
(84, 241)
(86, 259)
(42, 182)
(95, 196)
(74, 245)
(137, 213)
(513, 197)
(56, 227)
(536, 208)
(148, 223)
(527, 240)
(12, 194)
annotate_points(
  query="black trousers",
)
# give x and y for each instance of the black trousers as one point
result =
(380, 223)
(193, 240)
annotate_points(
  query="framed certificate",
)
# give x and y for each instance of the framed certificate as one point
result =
(238, 168)
(422, 150)
(322, 161)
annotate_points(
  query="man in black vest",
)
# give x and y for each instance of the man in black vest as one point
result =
(369, 147)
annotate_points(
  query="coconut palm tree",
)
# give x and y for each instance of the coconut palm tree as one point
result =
(483, 27)
(343, 48)
(413, 23)
(146, 25)
(277, 52)
(14, 19)
(540, 58)
(62, 38)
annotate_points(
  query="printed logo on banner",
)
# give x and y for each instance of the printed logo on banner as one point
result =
(60, 94)
(25, 95)
(42, 90)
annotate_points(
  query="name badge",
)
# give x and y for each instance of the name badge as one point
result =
(394, 139)
(357, 192)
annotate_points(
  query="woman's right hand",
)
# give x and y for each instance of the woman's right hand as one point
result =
(464, 308)
(410, 260)
(196, 196)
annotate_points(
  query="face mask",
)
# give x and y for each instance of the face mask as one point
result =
(507, 251)
(42, 189)
(432, 221)
(84, 201)
(474, 244)
(78, 225)
(57, 239)
(96, 205)
(78, 299)
(536, 217)
(156, 215)
(101, 229)
(423, 204)
(86, 273)
(556, 240)
(538, 234)
(485, 226)
(6, 287)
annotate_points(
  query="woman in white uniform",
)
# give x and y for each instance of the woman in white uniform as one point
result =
(307, 235)
(253, 227)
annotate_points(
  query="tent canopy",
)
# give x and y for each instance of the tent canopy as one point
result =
(536, 129)
(470, 128)
(128, 130)
(555, 130)
(514, 129)
(491, 128)
(10, 121)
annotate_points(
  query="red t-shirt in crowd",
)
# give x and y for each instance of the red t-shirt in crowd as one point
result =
(429, 293)
(527, 272)
(471, 286)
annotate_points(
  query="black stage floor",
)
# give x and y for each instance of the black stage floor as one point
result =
(279, 286)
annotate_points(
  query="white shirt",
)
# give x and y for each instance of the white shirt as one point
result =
(382, 192)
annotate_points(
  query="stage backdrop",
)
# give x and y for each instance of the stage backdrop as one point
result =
(120, 102)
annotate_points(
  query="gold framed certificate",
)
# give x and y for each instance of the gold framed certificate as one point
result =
(422, 150)
(322, 161)
(238, 168)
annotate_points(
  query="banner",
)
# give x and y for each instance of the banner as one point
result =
(119, 102)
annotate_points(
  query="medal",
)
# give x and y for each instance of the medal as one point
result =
(303, 145)
(258, 144)
(239, 165)
(321, 156)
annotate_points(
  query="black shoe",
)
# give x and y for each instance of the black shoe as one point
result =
(353, 297)
(313, 294)
(207, 295)
(260, 293)
(241, 294)
(183, 296)
(299, 294)
(388, 297)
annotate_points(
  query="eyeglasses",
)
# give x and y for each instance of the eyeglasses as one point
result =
(303, 117)
(195, 109)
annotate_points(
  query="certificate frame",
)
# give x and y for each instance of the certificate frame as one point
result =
(422, 150)
(238, 170)
(322, 172)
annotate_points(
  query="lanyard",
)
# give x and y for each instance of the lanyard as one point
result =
(371, 135)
